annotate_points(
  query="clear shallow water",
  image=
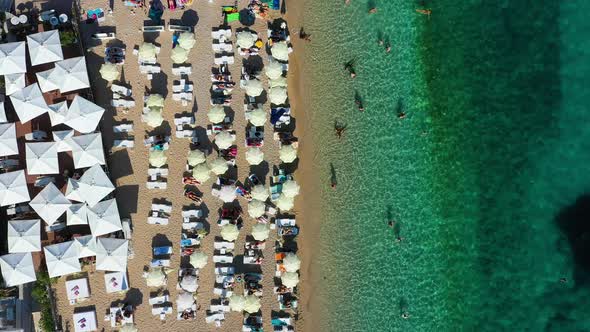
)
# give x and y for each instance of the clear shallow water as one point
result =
(481, 175)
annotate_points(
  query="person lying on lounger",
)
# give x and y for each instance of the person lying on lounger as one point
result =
(190, 180)
(192, 196)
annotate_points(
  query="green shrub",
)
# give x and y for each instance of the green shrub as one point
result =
(40, 295)
(67, 38)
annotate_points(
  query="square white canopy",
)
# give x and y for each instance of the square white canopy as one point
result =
(72, 74)
(41, 158)
(13, 188)
(12, 58)
(77, 289)
(87, 150)
(57, 113)
(17, 269)
(48, 80)
(83, 115)
(116, 282)
(103, 218)
(44, 47)
(85, 321)
(29, 103)
(50, 204)
(94, 185)
(8, 144)
(62, 259)
(86, 245)
(77, 214)
(111, 254)
(24, 235)
(14, 83)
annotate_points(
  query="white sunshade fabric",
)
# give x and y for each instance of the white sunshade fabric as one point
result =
(260, 232)
(73, 192)
(87, 150)
(259, 192)
(24, 235)
(274, 70)
(57, 113)
(8, 144)
(17, 269)
(103, 218)
(62, 259)
(245, 39)
(227, 194)
(77, 214)
(111, 254)
(41, 158)
(50, 204)
(72, 74)
(61, 139)
(280, 51)
(86, 246)
(29, 103)
(13, 188)
(256, 208)
(3, 118)
(254, 156)
(12, 58)
(14, 83)
(48, 80)
(83, 115)
(254, 88)
(44, 47)
(94, 185)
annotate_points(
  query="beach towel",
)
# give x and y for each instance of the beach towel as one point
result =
(275, 114)
(233, 17)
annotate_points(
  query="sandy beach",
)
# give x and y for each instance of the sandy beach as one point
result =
(128, 168)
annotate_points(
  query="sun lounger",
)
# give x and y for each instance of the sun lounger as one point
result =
(252, 260)
(121, 90)
(225, 270)
(187, 243)
(224, 259)
(217, 316)
(126, 225)
(220, 278)
(223, 292)
(123, 143)
(159, 299)
(162, 208)
(124, 103)
(55, 227)
(18, 209)
(221, 33)
(157, 221)
(197, 213)
(123, 128)
(9, 163)
(185, 120)
(157, 310)
(152, 140)
(192, 226)
(104, 36)
(182, 70)
(156, 185)
(161, 171)
(224, 59)
(42, 181)
(160, 251)
(222, 47)
(282, 222)
(153, 28)
(36, 135)
(172, 27)
(185, 133)
(150, 67)
(160, 263)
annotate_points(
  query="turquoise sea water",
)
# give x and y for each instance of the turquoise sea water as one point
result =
(486, 175)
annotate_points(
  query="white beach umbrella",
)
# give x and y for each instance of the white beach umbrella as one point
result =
(277, 95)
(17, 269)
(72, 73)
(12, 58)
(245, 39)
(290, 188)
(128, 327)
(13, 188)
(73, 192)
(198, 260)
(284, 203)
(109, 72)
(94, 185)
(259, 192)
(256, 208)
(62, 259)
(29, 103)
(157, 158)
(236, 302)
(278, 82)
(201, 172)
(156, 277)
(41, 158)
(216, 114)
(188, 283)
(147, 52)
(280, 51)
(290, 279)
(111, 254)
(77, 214)
(254, 87)
(87, 150)
(44, 47)
(83, 115)
(8, 144)
(227, 194)
(258, 117)
(186, 40)
(103, 218)
(229, 232)
(254, 156)
(57, 113)
(14, 83)
(274, 70)
(153, 117)
(224, 140)
(86, 246)
(184, 301)
(196, 157)
(179, 55)
(50, 204)
(24, 235)
(48, 80)
(154, 100)
(291, 262)
(287, 153)
(218, 166)
(251, 304)
(260, 232)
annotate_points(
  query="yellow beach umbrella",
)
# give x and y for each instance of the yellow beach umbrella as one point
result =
(147, 51)
(290, 188)
(229, 232)
(216, 114)
(218, 166)
(224, 140)
(179, 55)
(198, 260)
(290, 279)
(236, 302)
(128, 327)
(154, 100)
(291, 262)
(201, 172)
(254, 156)
(252, 304)
(254, 87)
(259, 192)
(109, 72)
(256, 209)
(278, 82)
(258, 117)
(186, 40)
(274, 70)
(245, 39)
(156, 277)
(157, 158)
(277, 95)
(287, 153)
(260, 232)
(153, 118)
(284, 203)
(196, 157)
(280, 51)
